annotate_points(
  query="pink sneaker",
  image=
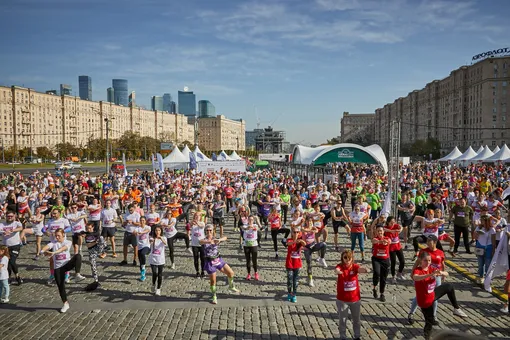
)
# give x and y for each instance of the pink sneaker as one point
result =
(248, 277)
(257, 276)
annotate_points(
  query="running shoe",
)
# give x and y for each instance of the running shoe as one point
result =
(189, 251)
(197, 275)
(173, 266)
(323, 263)
(410, 318)
(233, 290)
(374, 293)
(158, 292)
(153, 290)
(293, 299)
(401, 276)
(51, 279)
(248, 277)
(310, 283)
(79, 277)
(257, 277)
(202, 275)
(276, 256)
(214, 300)
(36, 258)
(142, 275)
(504, 309)
(435, 322)
(459, 312)
(67, 279)
(134, 262)
(123, 262)
(19, 280)
(114, 255)
(4, 301)
(289, 297)
(64, 308)
(383, 298)
(394, 280)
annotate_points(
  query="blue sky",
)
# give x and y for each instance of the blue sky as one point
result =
(296, 63)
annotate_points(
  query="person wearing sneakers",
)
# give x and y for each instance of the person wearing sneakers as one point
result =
(77, 219)
(96, 246)
(392, 230)
(339, 220)
(4, 274)
(275, 224)
(108, 217)
(357, 229)
(250, 244)
(10, 231)
(348, 295)
(380, 262)
(293, 264)
(168, 224)
(308, 232)
(214, 262)
(437, 257)
(197, 234)
(424, 277)
(143, 244)
(131, 221)
(63, 262)
(37, 220)
(157, 259)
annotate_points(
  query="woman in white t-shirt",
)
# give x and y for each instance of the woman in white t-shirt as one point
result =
(157, 259)
(63, 262)
(4, 274)
(143, 244)
(485, 236)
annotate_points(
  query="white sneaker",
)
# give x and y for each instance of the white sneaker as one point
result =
(68, 280)
(64, 308)
(189, 251)
(79, 277)
(233, 290)
(310, 283)
(318, 260)
(504, 309)
(394, 280)
(6, 300)
(158, 292)
(459, 312)
(323, 263)
(401, 277)
(173, 266)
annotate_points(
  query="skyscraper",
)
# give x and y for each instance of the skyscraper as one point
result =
(65, 90)
(167, 102)
(120, 88)
(157, 103)
(132, 99)
(206, 109)
(110, 95)
(85, 87)
(173, 107)
(187, 102)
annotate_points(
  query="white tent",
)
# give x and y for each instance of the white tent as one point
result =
(452, 155)
(199, 156)
(234, 156)
(467, 155)
(480, 149)
(501, 155)
(186, 151)
(223, 156)
(485, 153)
(496, 149)
(175, 160)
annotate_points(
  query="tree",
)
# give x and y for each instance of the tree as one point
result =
(167, 136)
(422, 149)
(333, 141)
(44, 152)
(66, 150)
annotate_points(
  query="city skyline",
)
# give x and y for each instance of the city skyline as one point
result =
(252, 59)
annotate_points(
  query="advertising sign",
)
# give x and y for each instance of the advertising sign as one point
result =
(166, 146)
(494, 53)
(231, 166)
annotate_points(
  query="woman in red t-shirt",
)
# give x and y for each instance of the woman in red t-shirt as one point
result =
(293, 264)
(276, 228)
(380, 261)
(348, 294)
(424, 277)
(392, 230)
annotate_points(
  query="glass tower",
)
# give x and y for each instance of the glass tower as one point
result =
(85, 87)
(157, 103)
(120, 89)
(206, 109)
(167, 102)
(187, 103)
(110, 95)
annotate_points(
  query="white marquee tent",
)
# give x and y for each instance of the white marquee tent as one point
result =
(186, 151)
(485, 153)
(199, 156)
(501, 155)
(235, 156)
(480, 149)
(223, 156)
(496, 149)
(467, 155)
(175, 160)
(452, 155)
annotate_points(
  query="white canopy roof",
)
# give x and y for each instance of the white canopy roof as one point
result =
(199, 156)
(223, 156)
(501, 155)
(175, 160)
(496, 149)
(235, 156)
(467, 155)
(485, 153)
(480, 149)
(186, 151)
(452, 155)
(306, 155)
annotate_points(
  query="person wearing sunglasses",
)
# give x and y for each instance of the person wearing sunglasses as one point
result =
(214, 262)
(348, 295)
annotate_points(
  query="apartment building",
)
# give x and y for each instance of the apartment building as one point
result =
(220, 133)
(467, 108)
(356, 126)
(33, 119)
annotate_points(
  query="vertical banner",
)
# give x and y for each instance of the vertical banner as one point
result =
(386, 208)
(161, 166)
(214, 157)
(153, 163)
(192, 161)
(124, 163)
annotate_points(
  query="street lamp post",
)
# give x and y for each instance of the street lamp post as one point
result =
(107, 149)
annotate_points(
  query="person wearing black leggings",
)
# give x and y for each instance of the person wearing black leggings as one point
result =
(11, 231)
(157, 259)
(427, 292)
(392, 230)
(197, 234)
(430, 226)
(168, 223)
(143, 244)
(63, 261)
(380, 262)
(276, 228)
(250, 247)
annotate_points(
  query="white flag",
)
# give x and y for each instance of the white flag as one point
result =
(125, 166)
(505, 193)
(499, 263)
(153, 163)
(160, 163)
(386, 208)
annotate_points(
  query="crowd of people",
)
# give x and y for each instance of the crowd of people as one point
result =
(151, 211)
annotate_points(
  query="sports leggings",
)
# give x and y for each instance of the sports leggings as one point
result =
(312, 248)
(393, 259)
(292, 280)
(380, 275)
(60, 273)
(428, 313)
(423, 239)
(142, 256)
(274, 236)
(170, 241)
(12, 267)
(251, 256)
(157, 273)
(94, 252)
(198, 252)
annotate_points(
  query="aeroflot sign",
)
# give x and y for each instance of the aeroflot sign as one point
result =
(494, 53)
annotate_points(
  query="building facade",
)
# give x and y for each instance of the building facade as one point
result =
(85, 87)
(271, 141)
(187, 103)
(467, 108)
(167, 102)
(206, 109)
(33, 119)
(66, 90)
(220, 133)
(132, 99)
(110, 95)
(357, 127)
(157, 103)
(120, 92)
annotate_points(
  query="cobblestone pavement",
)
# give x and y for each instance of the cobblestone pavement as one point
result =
(125, 308)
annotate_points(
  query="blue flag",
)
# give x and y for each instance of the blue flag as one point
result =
(192, 161)
(214, 157)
